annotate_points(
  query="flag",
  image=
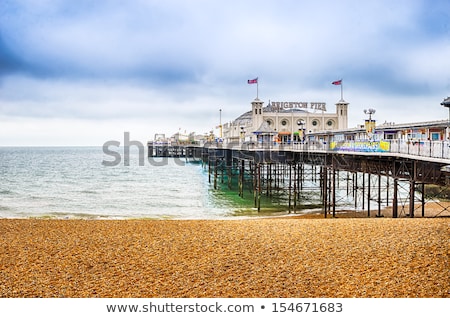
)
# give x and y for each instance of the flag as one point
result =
(337, 82)
(253, 81)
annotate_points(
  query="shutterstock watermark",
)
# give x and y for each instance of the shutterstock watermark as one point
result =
(119, 153)
(161, 153)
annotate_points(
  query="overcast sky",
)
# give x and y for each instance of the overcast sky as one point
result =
(84, 72)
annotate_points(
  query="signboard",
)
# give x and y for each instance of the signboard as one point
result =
(370, 126)
(288, 105)
(360, 146)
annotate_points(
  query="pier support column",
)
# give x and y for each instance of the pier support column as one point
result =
(368, 195)
(412, 188)
(423, 199)
(333, 171)
(269, 180)
(302, 175)
(215, 174)
(241, 178)
(363, 189)
(230, 177)
(324, 189)
(290, 187)
(355, 188)
(329, 191)
(222, 170)
(209, 169)
(321, 180)
(348, 181)
(253, 172)
(395, 200)
(387, 189)
(251, 178)
(277, 178)
(379, 195)
(258, 185)
(295, 186)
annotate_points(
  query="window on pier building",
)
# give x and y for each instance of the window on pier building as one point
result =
(349, 137)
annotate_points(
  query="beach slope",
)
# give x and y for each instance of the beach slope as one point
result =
(282, 257)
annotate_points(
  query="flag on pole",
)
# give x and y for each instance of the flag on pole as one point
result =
(339, 82)
(254, 81)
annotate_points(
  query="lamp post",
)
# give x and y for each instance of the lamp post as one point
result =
(369, 111)
(446, 103)
(220, 122)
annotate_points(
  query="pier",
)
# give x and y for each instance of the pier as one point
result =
(325, 174)
(310, 159)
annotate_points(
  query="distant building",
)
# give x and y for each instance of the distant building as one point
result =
(160, 138)
(285, 122)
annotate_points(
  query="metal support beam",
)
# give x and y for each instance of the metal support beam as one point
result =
(368, 195)
(412, 188)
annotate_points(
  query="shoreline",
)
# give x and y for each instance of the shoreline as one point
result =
(261, 257)
(432, 210)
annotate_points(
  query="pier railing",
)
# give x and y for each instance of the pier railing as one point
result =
(432, 149)
(439, 150)
(427, 148)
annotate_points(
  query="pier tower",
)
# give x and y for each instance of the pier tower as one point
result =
(257, 113)
(342, 114)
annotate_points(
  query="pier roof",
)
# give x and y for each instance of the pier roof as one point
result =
(264, 129)
(247, 116)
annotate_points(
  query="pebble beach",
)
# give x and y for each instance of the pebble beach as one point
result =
(273, 257)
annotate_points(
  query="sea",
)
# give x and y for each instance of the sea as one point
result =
(89, 183)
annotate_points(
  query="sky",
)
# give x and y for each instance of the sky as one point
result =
(84, 72)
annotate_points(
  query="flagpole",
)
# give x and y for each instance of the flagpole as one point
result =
(257, 88)
(341, 83)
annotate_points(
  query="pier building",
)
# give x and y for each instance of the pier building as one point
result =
(285, 122)
(310, 157)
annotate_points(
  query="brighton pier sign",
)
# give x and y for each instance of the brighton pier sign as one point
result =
(288, 105)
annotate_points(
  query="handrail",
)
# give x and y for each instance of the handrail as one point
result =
(437, 149)
(420, 148)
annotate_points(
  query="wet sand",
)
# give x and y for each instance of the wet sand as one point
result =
(279, 257)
